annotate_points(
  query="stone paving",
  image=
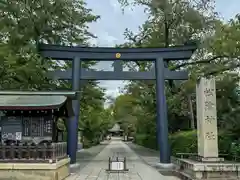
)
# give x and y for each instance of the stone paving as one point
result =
(85, 156)
(149, 156)
(138, 169)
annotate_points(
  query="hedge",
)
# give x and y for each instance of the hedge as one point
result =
(183, 142)
(146, 140)
(186, 142)
(86, 142)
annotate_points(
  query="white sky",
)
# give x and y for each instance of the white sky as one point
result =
(109, 29)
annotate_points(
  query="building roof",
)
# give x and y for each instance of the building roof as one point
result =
(70, 94)
(115, 128)
(20, 100)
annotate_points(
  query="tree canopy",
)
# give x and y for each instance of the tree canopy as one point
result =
(179, 22)
(26, 24)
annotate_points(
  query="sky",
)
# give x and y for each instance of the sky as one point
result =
(113, 22)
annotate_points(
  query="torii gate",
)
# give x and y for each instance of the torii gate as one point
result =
(160, 73)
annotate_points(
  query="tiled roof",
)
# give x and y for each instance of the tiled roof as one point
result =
(115, 128)
(30, 101)
(18, 100)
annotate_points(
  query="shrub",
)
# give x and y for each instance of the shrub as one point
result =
(224, 142)
(186, 142)
(86, 143)
(183, 142)
(146, 140)
(139, 138)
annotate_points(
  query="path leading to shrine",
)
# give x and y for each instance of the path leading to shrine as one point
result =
(138, 168)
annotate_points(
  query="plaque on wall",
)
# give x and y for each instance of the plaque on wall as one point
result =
(11, 125)
(18, 136)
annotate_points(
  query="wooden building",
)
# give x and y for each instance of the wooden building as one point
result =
(116, 130)
(29, 125)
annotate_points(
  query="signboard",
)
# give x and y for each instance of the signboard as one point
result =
(117, 166)
(18, 136)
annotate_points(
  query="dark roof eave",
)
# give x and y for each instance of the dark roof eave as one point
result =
(69, 94)
(30, 107)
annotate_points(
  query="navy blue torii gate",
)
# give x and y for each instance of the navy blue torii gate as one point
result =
(160, 73)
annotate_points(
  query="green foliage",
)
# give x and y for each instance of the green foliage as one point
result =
(95, 124)
(186, 142)
(225, 142)
(146, 141)
(26, 24)
(183, 142)
(95, 120)
(87, 143)
(174, 23)
(57, 21)
(235, 150)
(123, 113)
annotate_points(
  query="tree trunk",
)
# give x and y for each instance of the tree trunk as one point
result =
(191, 113)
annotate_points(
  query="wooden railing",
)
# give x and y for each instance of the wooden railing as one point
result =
(43, 153)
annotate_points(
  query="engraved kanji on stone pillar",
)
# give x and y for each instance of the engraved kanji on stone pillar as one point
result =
(207, 120)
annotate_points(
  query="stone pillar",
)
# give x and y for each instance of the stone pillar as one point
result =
(207, 120)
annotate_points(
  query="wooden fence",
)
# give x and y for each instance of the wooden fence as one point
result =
(43, 153)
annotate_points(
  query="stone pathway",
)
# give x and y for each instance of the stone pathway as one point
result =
(138, 169)
(149, 156)
(85, 156)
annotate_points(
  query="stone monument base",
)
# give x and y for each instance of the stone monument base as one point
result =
(212, 159)
(35, 171)
(196, 170)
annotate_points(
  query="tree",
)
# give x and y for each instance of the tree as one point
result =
(174, 23)
(124, 113)
(94, 118)
(224, 47)
(58, 22)
(24, 24)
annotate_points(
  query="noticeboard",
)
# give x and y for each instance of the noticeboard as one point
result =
(117, 165)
